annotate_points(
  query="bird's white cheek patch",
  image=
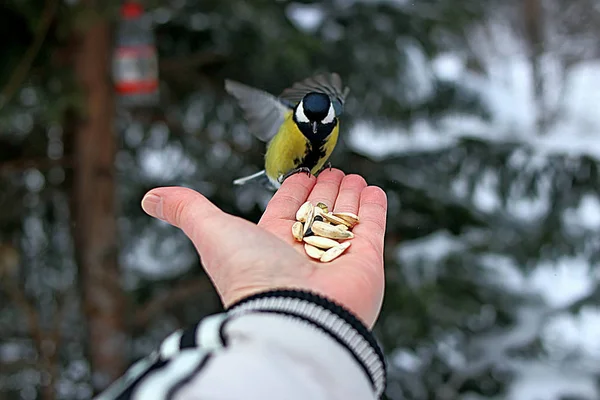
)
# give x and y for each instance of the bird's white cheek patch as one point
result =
(300, 116)
(330, 115)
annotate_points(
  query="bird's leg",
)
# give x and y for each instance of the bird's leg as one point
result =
(292, 172)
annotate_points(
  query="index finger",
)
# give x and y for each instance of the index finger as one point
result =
(289, 197)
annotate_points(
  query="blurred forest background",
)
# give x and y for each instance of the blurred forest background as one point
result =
(479, 119)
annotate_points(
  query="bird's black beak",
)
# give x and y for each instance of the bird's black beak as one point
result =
(314, 126)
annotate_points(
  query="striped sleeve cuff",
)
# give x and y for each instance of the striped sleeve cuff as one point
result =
(184, 354)
(327, 316)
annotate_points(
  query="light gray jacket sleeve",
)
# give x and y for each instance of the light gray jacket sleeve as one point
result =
(274, 345)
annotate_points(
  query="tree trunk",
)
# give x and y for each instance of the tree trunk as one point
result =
(95, 227)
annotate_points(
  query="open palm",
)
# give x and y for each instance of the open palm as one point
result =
(243, 258)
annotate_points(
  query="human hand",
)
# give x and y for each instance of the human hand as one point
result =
(243, 258)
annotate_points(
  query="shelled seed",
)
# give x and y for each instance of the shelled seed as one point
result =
(336, 220)
(320, 242)
(298, 230)
(323, 207)
(330, 231)
(325, 234)
(350, 218)
(303, 212)
(334, 252)
(313, 252)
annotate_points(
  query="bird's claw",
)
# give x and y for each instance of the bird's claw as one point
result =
(326, 166)
(292, 172)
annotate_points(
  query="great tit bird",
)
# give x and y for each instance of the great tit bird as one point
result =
(301, 126)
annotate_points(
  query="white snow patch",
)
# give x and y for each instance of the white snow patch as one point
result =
(506, 87)
(406, 360)
(158, 255)
(448, 66)
(416, 76)
(423, 255)
(559, 283)
(539, 381)
(567, 334)
(528, 208)
(432, 248)
(10, 352)
(164, 164)
(586, 215)
(380, 143)
(307, 17)
(485, 196)
(563, 281)
(504, 272)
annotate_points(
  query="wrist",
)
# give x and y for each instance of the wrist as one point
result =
(328, 317)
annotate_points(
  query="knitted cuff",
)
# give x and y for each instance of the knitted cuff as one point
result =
(327, 316)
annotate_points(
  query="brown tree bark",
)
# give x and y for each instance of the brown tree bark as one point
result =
(95, 228)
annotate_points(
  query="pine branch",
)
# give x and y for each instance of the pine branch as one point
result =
(47, 362)
(22, 69)
(41, 163)
(196, 60)
(180, 293)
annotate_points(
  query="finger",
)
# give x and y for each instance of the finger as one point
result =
(327, 187)
(349, 194)
(181, 207)
(372, 213)
(289, 197)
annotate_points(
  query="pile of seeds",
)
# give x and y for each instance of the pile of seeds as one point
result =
(321, 231)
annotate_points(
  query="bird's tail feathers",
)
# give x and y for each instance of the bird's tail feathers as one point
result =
(246, 179)
(260, 178)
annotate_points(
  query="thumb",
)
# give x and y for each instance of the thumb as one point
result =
(184, 208)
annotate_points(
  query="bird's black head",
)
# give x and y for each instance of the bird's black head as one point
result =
(315, 112)
(316, 106)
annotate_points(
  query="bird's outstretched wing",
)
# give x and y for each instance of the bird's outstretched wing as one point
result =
(263, 111)
(328, 83)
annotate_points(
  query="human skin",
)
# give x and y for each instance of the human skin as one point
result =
(242, 258)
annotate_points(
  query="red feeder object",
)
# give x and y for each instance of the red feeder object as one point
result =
(135, 59)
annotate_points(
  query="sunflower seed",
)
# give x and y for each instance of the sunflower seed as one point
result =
(313, 251)
(334, 252)
(317, 211)
(323, 207)
(309, 219)
(336, 220)
(297, 230)
(351, 218)
(321, 231)
(320, 242)
(330, 231)
(303, 211)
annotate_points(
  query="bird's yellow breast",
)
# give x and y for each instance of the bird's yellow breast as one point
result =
(289, 147)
